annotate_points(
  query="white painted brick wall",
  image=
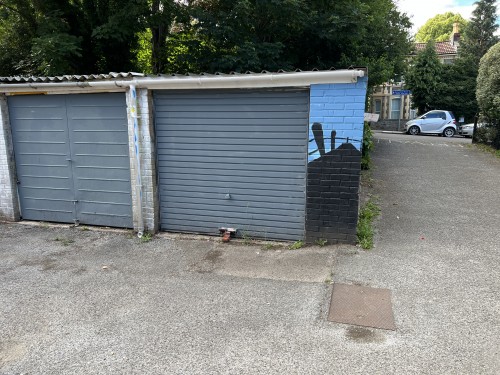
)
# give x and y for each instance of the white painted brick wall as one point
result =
(9, 209)
(147, 157)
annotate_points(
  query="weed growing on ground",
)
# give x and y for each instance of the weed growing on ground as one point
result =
(365, 230)
(321, 242)
(146, 237)
(84, 229)
(64, 241)
(329, 280)
(44, 225)
(297, 245)
(272, 246)
(247, 240)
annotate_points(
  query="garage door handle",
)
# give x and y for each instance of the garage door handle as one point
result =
(69, 160)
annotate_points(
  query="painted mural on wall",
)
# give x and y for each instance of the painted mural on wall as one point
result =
(323, 141)
(333, 177)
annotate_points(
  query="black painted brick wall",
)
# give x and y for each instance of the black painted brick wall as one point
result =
(333, 196)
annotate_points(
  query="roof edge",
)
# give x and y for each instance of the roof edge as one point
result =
(259, 80)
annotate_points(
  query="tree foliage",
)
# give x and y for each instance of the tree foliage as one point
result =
(440, 27)
(455, 91)
(488, 89)
(162, 36)
(422, 78)
(66, 36)
(479, 35)
(241, 35)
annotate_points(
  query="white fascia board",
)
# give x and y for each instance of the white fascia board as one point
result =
(240, 81)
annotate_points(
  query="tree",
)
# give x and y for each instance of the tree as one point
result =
(455, 91)
(488, 89)
(440, 27)
(17, 28)
(479, 34)
(423, 80)
(241, 35)
(65, 36)
(81, 36)
(385, 42)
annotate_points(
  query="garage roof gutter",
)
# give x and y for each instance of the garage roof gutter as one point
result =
(177, 82)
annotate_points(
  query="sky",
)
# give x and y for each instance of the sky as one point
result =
(422, 10)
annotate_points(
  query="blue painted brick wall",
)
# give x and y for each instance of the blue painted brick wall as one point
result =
(338, 107)
(333, 176)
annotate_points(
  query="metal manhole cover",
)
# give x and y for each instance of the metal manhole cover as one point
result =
(361, 306)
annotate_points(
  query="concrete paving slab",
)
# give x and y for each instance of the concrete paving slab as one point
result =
(309, 264)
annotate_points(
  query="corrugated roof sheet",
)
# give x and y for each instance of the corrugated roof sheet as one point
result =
(130, 75)
(71, 78)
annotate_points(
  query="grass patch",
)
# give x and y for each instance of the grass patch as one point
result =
(297, 245)
(64, 241)
(365, 230)
(84, 229)
(488, 149)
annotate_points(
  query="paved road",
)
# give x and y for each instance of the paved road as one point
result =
(438, 249)
(92, 302)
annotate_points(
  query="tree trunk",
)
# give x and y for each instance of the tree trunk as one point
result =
(157, 39)
(474, 132)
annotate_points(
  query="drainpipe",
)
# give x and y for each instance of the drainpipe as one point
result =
(134, 115)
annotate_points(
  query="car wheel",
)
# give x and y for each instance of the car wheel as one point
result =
(414, 130)
(449, 132)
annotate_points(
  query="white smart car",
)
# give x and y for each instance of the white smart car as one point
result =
(433, 122)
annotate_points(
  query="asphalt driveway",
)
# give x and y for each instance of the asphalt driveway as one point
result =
(76, 301)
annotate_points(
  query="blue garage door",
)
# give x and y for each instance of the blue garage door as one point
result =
(72, 158)
(233, 159)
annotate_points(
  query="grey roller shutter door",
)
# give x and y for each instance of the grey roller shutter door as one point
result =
(72, 158)
(233, 159)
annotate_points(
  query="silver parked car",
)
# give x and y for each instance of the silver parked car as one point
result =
(433, 122)
(467, 130)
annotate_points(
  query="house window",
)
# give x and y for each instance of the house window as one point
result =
(395, 108)
(448, 61)
(378, 106)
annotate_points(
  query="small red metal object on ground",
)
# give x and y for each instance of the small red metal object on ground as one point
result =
(227, 233)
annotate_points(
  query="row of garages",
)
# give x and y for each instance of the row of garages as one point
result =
(223, 151)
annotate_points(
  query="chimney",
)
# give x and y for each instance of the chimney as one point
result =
(455, 35)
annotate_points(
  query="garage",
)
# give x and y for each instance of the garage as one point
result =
(271, 155)
(72, 159)
(233, 159)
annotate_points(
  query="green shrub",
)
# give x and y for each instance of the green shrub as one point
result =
(488, 90)
(486, 134)
(368, 146)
